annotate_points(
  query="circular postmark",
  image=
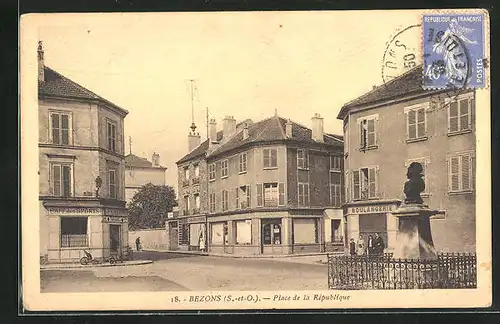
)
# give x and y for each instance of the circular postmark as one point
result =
(401, 53)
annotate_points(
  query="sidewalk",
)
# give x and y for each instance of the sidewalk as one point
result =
(92, 266)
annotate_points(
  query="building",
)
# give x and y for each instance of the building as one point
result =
(81, 170)
(399, 123)
(269, 187)
(139, 172)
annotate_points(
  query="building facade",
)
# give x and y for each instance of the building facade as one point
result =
(269, 187)
(81, 170)
(139, 172)
(399, 123)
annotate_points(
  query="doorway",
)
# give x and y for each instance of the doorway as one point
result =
(115, 237)
(271, 235)
(173, 235)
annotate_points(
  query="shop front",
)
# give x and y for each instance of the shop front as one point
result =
(368, 218)
(100, 230)
(335, 230)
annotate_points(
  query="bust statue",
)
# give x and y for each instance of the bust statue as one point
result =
(415, 184)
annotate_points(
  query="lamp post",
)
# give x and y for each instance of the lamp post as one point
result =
(98, 184)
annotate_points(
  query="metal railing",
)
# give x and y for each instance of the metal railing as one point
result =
(447, 271)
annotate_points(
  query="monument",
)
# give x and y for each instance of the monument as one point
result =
(414, 237)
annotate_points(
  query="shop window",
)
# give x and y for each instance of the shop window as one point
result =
(184, 234)
(305, 231)
(271, 234)
(336, 234)
(243, 232)
(74, 232)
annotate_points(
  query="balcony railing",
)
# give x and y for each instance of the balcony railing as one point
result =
(74, 240)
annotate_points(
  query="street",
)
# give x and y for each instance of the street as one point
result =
(175, 272)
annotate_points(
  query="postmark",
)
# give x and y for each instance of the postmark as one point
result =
(453, 51)
(401, 53)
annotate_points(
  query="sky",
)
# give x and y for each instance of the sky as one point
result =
(247, 65)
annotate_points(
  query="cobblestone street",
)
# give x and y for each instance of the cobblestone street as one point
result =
(171, 272)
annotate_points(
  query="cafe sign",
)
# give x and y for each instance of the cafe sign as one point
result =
(371, 209)
(74, 211)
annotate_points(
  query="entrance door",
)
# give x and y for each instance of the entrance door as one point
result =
(173, 236)
(270, 235)
(115, 237)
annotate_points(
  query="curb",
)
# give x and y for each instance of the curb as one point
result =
(235, 256)
(100, 265)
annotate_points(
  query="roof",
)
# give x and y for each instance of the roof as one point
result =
(55, 84)
(132, 160)
(267, 130)
(403, 85)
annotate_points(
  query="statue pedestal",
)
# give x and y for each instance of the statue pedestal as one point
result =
(414, 238)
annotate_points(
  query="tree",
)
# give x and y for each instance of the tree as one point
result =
(150, 205)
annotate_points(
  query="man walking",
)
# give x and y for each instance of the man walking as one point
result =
(138, 243)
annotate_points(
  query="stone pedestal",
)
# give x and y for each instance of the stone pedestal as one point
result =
(414, 238)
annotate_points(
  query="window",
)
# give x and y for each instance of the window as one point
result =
(111, 136)
(211, 199)
(336, 233)
(242, 196)
(225, 200)
(184, 234)
(186, 173)
(302, 159)
(303, 194)
(196, 170)
(335, 199)
(365, 183)
(112, 184)
(305, 231)
(74, 232)
(211, 171)
(423, 162)
(243, 162)
(335, 163)
(368, 132)
(459, 115)
(224, 168)
(60, 124)
(416, 122)
(271, 232)
(270, 158)
(186, 205)
(197, 202)
(270, 194)
(243, 232)
(461, 172)
(61, 180)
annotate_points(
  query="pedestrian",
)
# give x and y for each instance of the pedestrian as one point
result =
(352, 247)
(138, 243)
(371, 246)
(379, 244)
(361, 246)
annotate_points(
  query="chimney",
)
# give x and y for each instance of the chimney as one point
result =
(194, 140)
(288, 129)
(212, 132)
(245, 131)
(155, 159)
(229, 126)
(317, 128)
(41, 64)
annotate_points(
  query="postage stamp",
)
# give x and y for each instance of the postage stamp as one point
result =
(454, 51)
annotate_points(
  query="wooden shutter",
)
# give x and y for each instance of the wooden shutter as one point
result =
(66, 180)
(259, 195)
(362, 143)
(248, 196)
(237, 197)
(465, 172)
(372, 186)
(281, 193)
(464, 114)
(55, 129)
(412, 124)
(453, 172)
(274, 157)
(371, 132)
(65, 129)
(301, 194)
(453, 117)
(356, 187)
(473, 171)
(306, 194)
(421, 123)
(56, 180)
(265, 155)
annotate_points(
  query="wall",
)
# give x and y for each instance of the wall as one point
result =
(137, 177)
(455, 233)
(150, 239)
(191, 189)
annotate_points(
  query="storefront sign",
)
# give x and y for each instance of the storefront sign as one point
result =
(108, 219)
(198, 219)
(74, 210)
(370, 209)
(115, 212)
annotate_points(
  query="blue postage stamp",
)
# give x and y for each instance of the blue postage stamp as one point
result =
(453, 51)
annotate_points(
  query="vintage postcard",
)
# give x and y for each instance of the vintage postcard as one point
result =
(256, 160)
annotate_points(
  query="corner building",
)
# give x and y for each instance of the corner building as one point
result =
(81, 170)
(399, 123)
(269, 187)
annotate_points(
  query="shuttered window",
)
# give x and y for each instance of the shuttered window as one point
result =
(365, 183)
(60, 128)
(111, 127)
(211, 199)
(225, 200)
(61, 180)
(335, 199)
(461, 172)
(459, 115)
(303, 189)
(270, 159)
(368, 133)
(416, 123)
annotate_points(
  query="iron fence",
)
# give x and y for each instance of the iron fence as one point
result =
(447, 271)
